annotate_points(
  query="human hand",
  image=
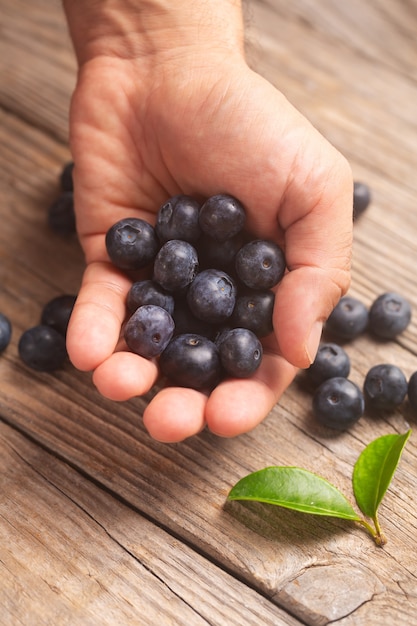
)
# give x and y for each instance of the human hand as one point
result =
(192, 119)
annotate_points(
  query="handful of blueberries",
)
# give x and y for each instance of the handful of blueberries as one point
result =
(209, 300)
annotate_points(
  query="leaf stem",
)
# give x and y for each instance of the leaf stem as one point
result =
(380, 538)
(375, 533)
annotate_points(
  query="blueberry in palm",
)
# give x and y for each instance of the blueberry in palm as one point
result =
(148, 291)
(149, 330)
(191, 360)
(253, 310)
(212, 296)
(260, 264)
(222, 216)
(131, 243)
(240, 352)
(176, 265)
(178, 218)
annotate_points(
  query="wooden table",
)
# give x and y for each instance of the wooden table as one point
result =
(99, 524)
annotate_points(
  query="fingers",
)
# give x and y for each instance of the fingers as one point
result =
(237, 406)
(125, 375)
(98, 314)
(316, 217)
(175, 414)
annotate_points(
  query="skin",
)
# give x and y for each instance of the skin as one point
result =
(165, 103)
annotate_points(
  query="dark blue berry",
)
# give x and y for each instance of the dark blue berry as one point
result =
(191, 360)
(222, 216)
(149, 292)
(253, 310)
(385, 387)
(240, 352)
(131, 243)
(57, 312)
(178, 219)
(42, 348)
(338, 403)
(331, 361)
(212, 296)
(176, 265)
(61, 214)
(66, 180)
(5, 332)
(260, 264)
(149, 330)
(348, 319)
(361, 198)
(389, 315)
(412, 391)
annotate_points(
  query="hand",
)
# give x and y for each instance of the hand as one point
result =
(198, 122)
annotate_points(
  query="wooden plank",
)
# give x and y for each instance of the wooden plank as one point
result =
(183, 487)
(37, 65)
(72, 554)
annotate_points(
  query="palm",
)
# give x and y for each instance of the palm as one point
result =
(135, 145)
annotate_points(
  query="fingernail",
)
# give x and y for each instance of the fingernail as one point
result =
(313, 341)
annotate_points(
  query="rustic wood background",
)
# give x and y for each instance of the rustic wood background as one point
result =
(98, 523)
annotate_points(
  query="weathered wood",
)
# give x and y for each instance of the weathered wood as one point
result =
(72, 554)
(351, 70)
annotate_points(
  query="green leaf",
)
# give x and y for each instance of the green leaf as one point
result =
(374, 470)
(294, 488)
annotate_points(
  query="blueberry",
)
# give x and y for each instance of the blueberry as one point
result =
(61, 215)
(149, 330)
(148, 292)
(66, 180)
(253, 310)
(176, 265)
(331, 361)
(389, 315)
(131, 243)
(338, 403)
(5, 332)
(361, 198)
(260, 264)
(191, 360)
(212, 296)
(348, 319)
(178, 219)
(42, 348)
(57, 312)
(240, 352)
(222, 216)
(385, 387)
(412, 391)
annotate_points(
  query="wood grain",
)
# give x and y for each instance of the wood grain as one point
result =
(75, 555)
(351, 69)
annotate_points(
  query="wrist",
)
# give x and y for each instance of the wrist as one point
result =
(145, 28)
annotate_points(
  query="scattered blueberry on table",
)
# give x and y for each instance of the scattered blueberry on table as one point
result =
(5, 332)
